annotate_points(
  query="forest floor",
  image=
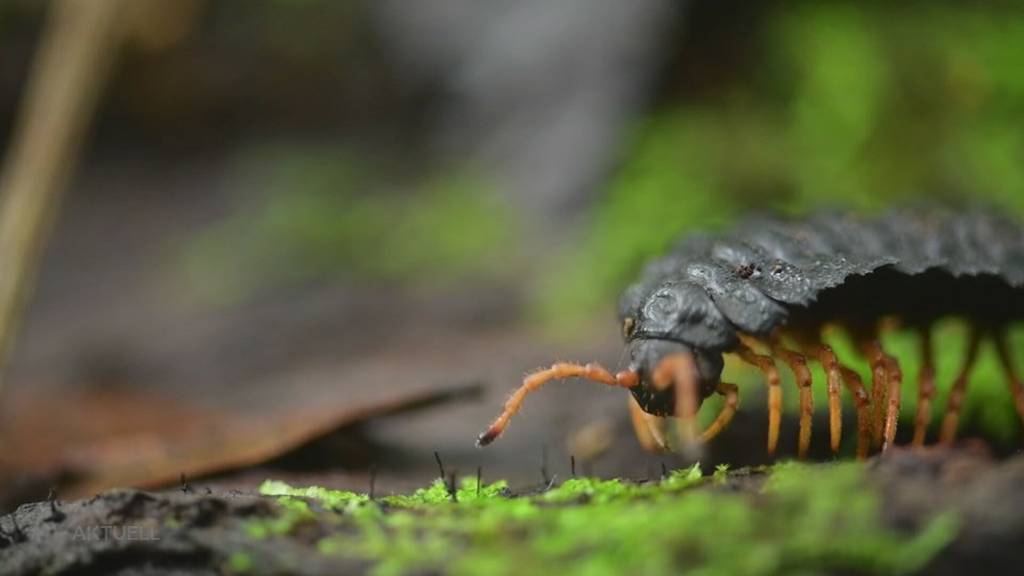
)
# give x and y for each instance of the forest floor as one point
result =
(932, 511)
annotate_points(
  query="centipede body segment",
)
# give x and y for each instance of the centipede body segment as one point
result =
(766, 290)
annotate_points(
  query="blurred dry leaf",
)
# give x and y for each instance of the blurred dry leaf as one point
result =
(128, 437)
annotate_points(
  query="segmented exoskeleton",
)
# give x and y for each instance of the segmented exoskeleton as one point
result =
(766, 290)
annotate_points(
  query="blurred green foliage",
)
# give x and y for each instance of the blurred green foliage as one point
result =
(310, 213)
(859, 106)
(852, 105)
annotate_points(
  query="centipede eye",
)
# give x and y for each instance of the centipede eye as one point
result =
(628, 327)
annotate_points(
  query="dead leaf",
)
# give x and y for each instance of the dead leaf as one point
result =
(99, 440)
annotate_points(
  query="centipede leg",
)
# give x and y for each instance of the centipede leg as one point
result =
(886, 392)
(876, 357)
(798, 365)
(649, 429)
(558, 371)
(925, 387)
(1012, 377)
(732, 400)
(771, 374)
(894, 378)
(956, 394)
(833, 372)
(863, 405)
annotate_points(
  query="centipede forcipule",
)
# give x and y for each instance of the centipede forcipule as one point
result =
(765, 291)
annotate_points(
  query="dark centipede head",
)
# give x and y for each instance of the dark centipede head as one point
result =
(648, 353)
(666, 320)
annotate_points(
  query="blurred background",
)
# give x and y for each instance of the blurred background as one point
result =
(287, 221)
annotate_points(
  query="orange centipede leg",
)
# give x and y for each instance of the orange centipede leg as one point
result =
(956, 394)
(862, 403)
(834, 374)
(872, 350)
(894, 377)
(649, 428)
(798, 365)
(1012, 377)
(771, 374)
(534, 381)
(732, 400)
(925, 387)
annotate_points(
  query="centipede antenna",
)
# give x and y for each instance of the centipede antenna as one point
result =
(560, 371)
(440, 465)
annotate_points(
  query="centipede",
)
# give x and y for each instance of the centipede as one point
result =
(766, 291)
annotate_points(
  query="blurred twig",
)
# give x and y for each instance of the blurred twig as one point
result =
(70, 68)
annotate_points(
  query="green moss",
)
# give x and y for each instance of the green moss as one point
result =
(594, 489)
(838, 495)
(804, 520)
(336, 499)
(438, 493)
(721, 473)
(239, 563)
(294, 511)
(684, 477)
(470, 490)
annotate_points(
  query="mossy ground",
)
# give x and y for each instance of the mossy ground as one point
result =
(788, 519)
